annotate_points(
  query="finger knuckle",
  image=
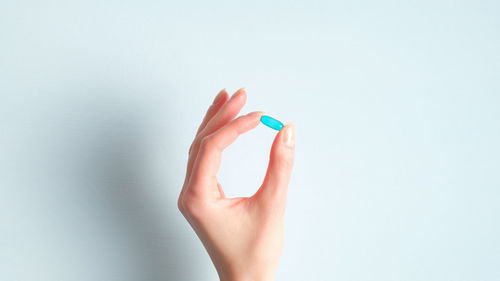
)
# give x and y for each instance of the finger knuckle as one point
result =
(207, 143)
(285, 161)
(179, 204)
(195, 144)
(192, 206)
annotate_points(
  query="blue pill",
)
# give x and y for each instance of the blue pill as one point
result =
(271, 122)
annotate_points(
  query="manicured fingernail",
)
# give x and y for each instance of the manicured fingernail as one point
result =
(256, 114)
(219, 97)
(289, 135)
(239, 92)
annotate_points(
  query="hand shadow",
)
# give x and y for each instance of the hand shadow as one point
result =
(128, 198)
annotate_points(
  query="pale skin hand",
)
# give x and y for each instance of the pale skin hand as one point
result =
(243, 236)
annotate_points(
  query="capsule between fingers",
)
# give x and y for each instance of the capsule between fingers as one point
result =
(271, 122)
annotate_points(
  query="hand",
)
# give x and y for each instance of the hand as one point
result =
(243, 236)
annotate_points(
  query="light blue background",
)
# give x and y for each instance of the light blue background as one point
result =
(396, 103)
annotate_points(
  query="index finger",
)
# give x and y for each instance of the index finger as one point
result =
(204, 175)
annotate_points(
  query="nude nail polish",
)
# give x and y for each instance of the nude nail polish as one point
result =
(289, 135)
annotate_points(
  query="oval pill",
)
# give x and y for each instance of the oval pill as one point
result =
(271, 122)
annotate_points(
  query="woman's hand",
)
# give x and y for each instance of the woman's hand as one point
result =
(243, 236)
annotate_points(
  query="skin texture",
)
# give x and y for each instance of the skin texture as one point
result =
(244, 235)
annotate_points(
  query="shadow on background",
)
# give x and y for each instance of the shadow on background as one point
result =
(118, 149)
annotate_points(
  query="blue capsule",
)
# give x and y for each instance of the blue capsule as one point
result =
(271, 122)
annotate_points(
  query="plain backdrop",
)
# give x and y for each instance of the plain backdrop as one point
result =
(396, 103)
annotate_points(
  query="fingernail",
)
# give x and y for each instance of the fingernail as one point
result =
(219, 97)
(289, 135)
(256, 113)
(241, 90)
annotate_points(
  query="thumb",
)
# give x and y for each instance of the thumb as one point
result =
(280, 164)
